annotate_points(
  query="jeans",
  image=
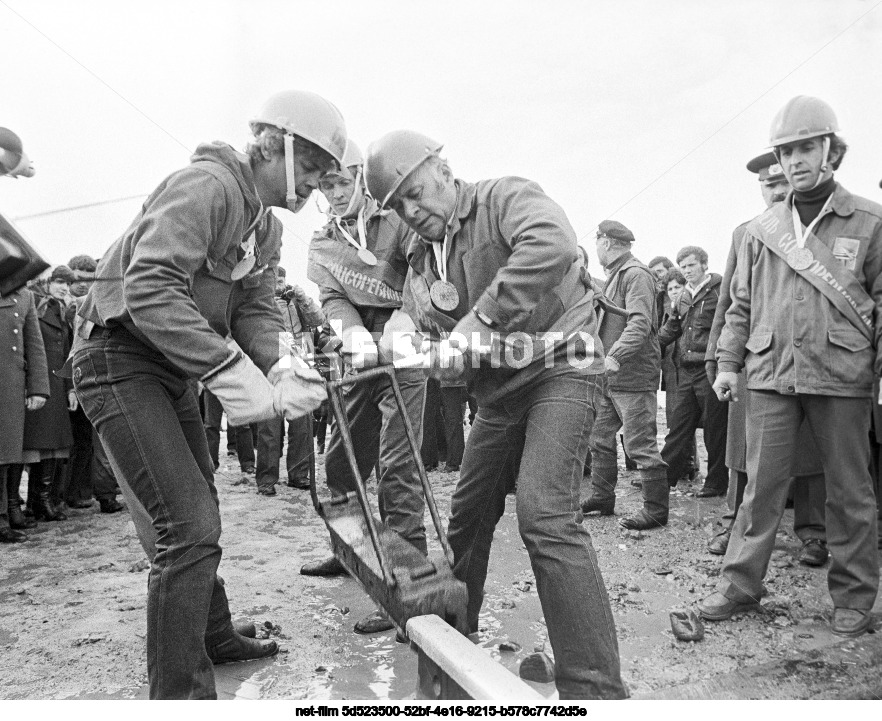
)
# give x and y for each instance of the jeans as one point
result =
(147, 417)
(212, 413)
(841, 431)
(696, 400)
(269, 450)
(635, 413)
(378, 436)
(537, 442)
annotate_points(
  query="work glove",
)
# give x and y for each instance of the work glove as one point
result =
(297, 391)
(726, 386)
(400, 340)
(244, 392)
(710, 370)
(359, 349)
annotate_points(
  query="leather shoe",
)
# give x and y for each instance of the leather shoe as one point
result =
(111, 505)
(717, 607)
(851, 622)
(267, 491)
(642, 521)
(605, 506)
(327, 567)
(240, 648)
(814, 552)
(301, 483)
(8, 535)
(248, 469)
(449, 468)
(79, 504)
(374, 623)
(710, 492)
(719, 543)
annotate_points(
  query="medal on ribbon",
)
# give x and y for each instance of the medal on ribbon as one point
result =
(244, 266)
(443, 293)
(800, 258)
(364, 255)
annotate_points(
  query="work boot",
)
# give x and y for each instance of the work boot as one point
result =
(656, 494)
(8, 535)
(717, 607)
(851, 622)
(374, 623)
(606, 506)
(326, 567)
(13, 481)
(110, 505)
(814, 551)
(44, 509)
(241, 648)
(719, 543)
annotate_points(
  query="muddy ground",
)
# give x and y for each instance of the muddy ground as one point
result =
(72, 604)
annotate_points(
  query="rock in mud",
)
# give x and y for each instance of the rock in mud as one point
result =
(510, 646)
(537, 667)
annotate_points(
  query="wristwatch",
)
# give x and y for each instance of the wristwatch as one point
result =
(489, 322)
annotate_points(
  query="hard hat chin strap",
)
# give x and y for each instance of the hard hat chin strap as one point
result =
(293, 202)
(824, 158)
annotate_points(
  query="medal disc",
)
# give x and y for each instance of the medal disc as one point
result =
(366, 257)
(444, 295)
(800, 258)
(243, 267)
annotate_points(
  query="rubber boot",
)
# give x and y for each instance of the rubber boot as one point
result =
(603, 490)
(44, 510)
(13, 481)
(656, 494)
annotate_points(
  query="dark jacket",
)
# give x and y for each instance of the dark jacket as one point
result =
(691, 322)
(167, 279)
(513, 256)
(49, 427)
(22, 369)
(631, 341)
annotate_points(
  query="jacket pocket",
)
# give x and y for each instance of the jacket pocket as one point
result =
(849, 339)
(759, 341)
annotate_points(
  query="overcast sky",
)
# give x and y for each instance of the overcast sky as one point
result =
(642, 111)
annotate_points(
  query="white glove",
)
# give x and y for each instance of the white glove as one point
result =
(359, 347)
(298, 392)
(400, 339)
(244, 392)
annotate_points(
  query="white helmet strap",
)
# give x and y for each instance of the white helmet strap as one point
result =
(293, 202)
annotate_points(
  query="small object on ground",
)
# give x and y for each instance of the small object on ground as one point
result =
(141, 565)
(373, 623)
(509, 646)
(537, 667)
(244, 480)
(506, 603)
(686, 626)
(326, 567)
(814, 553)
(525, 586)
(662, 571)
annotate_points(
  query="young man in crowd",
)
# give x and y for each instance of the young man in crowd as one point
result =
(358, 261)
(499, 258)
(627, 392)
(809, 493)
(806, 299)
(689, 325)
(186, 294)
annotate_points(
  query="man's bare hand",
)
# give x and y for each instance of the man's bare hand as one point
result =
(726, 386)
(35, 403)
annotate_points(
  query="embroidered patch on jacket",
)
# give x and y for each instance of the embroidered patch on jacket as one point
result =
(846, 251)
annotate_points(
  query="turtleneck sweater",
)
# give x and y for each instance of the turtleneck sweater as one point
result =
(810, 202)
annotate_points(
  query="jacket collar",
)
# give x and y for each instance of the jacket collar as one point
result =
(465, 201)
(618, 263)
(842, 203)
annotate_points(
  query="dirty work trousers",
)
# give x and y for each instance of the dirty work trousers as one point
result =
(147, 417)
(635, 412)
(378, 435)
(841, 429)
(537, 441)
